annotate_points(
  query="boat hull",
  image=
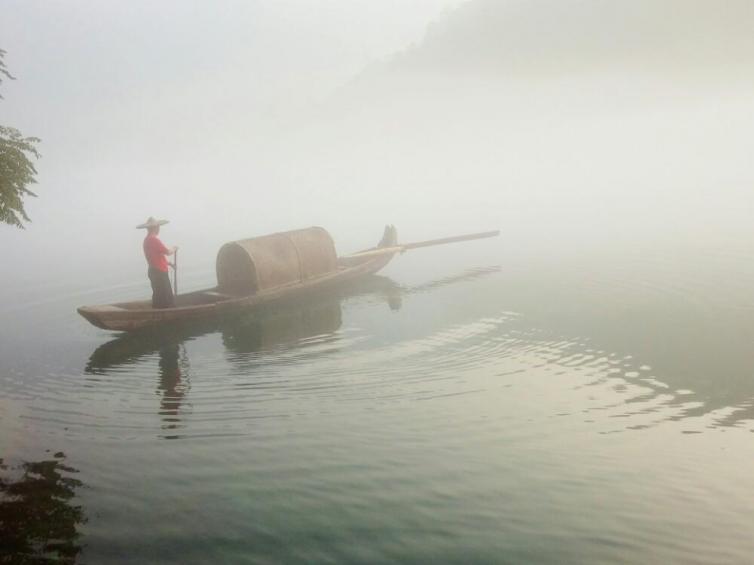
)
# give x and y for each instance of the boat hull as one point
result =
(207, 304)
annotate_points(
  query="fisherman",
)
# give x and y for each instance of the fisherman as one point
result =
(156, 254)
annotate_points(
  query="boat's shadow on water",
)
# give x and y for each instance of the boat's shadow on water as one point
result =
(283, 324)
(252, 337)
(668, 380)
(266, 327)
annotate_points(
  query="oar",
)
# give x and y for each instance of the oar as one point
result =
(428, 243)
(175, 273)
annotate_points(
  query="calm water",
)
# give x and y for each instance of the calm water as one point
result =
(471, 404)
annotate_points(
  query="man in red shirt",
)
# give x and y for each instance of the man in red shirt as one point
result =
(156, 254)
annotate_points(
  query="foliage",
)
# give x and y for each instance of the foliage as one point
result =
(17, 171)
(38, 518)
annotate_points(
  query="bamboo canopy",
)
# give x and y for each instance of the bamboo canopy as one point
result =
(260, 263)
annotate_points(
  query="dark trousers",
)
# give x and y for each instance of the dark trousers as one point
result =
(162, 293)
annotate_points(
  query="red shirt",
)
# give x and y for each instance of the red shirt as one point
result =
(155, 252)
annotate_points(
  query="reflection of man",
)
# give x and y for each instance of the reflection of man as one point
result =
(170, 385)
(394, 300)
(156, 254)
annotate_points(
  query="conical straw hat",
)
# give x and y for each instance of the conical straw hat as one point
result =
(151, 223)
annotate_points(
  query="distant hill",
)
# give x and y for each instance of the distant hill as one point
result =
(562, 36)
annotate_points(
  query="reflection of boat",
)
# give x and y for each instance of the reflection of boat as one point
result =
(263, 329)
(298, 323)
(129, 349)
(285, 326)
(261, 270)
(173, 371)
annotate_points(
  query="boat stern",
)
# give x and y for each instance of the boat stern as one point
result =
(109, 317)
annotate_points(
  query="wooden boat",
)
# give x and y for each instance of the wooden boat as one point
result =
(262, 270)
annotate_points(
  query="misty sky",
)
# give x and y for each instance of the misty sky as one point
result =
(127, 97)
(236, 119)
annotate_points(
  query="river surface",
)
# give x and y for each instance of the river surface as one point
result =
(470, 404)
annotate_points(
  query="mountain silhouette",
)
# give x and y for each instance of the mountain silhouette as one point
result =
(514, 37)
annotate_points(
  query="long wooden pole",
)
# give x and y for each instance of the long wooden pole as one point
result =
(441, 241)
(454, 239)
(175, 273)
